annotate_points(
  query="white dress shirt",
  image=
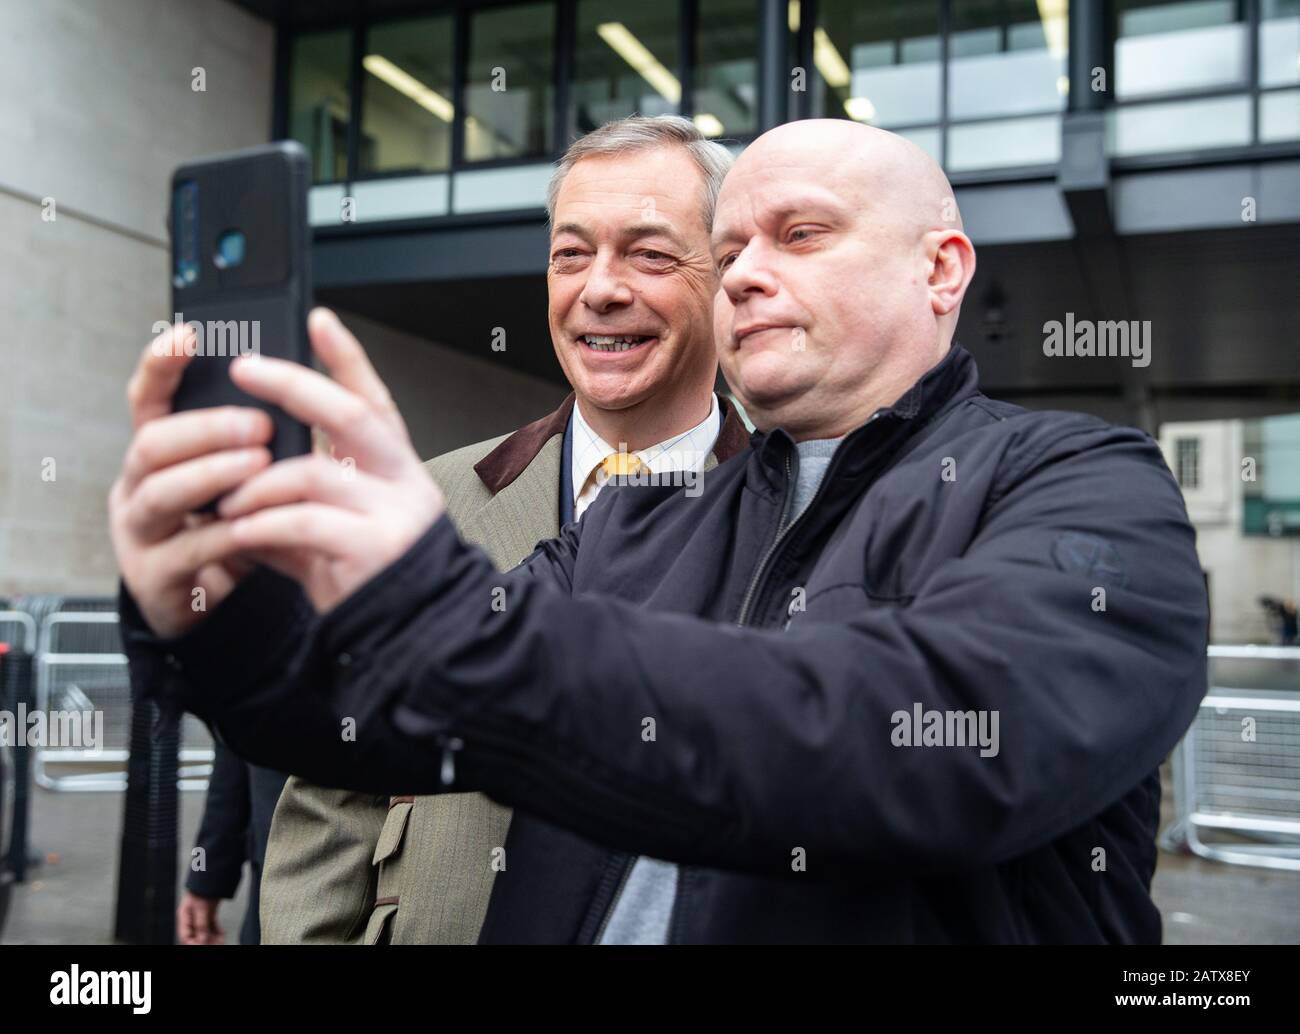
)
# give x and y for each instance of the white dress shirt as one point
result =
(687, 451)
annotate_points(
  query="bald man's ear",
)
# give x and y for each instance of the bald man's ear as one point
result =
(952, 264)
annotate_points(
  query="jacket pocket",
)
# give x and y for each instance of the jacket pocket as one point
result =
(390, 837)
(841, 602)
(380, 928)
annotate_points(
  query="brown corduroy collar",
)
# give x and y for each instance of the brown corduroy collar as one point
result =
(509, 459)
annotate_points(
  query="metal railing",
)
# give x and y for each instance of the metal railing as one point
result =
(18, 628)
(80, 668)
(1237, 771)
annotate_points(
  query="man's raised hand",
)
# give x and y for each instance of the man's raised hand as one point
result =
(175, 564)
(332, 523)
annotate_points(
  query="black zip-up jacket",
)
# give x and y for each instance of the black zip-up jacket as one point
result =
(700, 680)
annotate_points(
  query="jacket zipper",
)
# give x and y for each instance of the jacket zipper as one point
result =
(777, 539)
(613, 902)
(782, 529)
(767, 554)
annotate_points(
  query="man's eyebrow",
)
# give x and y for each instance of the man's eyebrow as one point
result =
(638, 230)
(627, 233)
(574, 228)
(812, 207)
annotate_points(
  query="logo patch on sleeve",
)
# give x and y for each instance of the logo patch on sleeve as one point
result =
(1090, 555)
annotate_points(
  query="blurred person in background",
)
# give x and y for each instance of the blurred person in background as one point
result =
(236, 822)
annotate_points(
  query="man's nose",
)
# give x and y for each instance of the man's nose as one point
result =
(606, 286)
(750, 273)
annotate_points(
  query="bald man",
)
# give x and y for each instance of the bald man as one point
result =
(903, 671)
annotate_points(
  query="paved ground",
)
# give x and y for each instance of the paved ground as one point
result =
(69, 899)
(1212, 903)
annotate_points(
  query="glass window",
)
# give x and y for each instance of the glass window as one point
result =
(1185, 45)
(1005, 143)
(1279, 42)
(726, 68)
(515, 186)
(1279, 116)
(400, 197)
(625, 62)
(1271, 504)
(407, 111)
(877, 63)
(1179, 125)
(509, 89)
(1187, 455)
(319, 106)
(926, 138)
(1007, 57)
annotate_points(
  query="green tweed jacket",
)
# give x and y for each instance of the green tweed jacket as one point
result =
(344, 867)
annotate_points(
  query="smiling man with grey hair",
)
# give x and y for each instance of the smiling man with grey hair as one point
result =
(630, 284)
(638, 133)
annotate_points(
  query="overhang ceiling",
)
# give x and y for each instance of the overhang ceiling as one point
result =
(1224, 307)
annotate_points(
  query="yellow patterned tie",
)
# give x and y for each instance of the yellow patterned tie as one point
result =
(621, 464)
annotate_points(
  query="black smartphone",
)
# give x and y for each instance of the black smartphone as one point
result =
(241, 273)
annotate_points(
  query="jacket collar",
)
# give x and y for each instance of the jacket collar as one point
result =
(734, 436)
(952, 378)
(508, 460)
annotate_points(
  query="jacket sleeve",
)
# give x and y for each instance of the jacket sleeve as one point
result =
(766, 742)
(223, 835)
(257, 672)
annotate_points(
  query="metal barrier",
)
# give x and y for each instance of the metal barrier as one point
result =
(80, 667)
(18, 629)
(1237, 771)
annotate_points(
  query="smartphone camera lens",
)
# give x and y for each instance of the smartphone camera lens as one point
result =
(230, 250)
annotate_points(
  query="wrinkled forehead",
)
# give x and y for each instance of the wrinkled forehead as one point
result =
(646, 187)
(763, 198)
